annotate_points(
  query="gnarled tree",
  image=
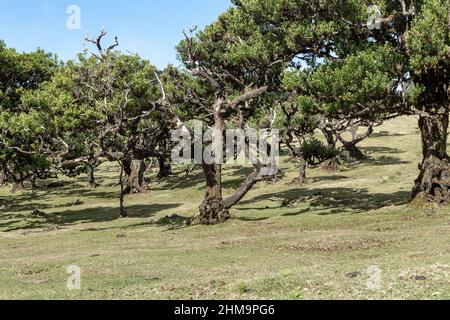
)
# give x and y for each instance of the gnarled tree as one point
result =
(234, 62)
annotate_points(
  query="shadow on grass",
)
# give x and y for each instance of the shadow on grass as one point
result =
(91, 215)
(173, 222)
(335, 200)
(386, 161)
(382, 150)
(315, 179)
(176, 182)
(40, 198)
(250, 219)
(383, 134)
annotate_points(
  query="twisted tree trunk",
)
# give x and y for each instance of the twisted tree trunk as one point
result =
(33, 179)
(333, 164)
(330, 138)
(165, 168)
(432, 185)
(91, 176)
(351, 146)
(123, 211)
(134, 177)
(3, 179)
(246, 186)
(164, 160)
(354, 152)
(303, 166)
(212, 209)
(91, 165)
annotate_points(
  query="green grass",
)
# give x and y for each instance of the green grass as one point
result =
(276, 248)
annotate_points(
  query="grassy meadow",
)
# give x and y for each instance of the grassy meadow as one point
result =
(287, 241)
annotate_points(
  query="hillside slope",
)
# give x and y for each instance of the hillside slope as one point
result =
(321, 240)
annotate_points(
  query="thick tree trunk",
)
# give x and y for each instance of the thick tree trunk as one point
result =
(91, 165)
(330, 138)
(123, 212)
(248, 184)
(432, 185)
(33, 179)
(3, 179)
(302, 176)
(302, 172)
(354, 152)
(134, 177)
(212, 210)
(165, 168)
(332, 164)
(351, 146)
(91, 176)
(16, 186)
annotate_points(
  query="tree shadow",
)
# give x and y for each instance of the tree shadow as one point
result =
(315, 179)
(17, 207)
(381, 150)
(338, 200)
(383, 134)
(173, 222)
(249, 219)
(27, 201)
(91, 215)
(33, 200)
(177, 182)
(294, 214)
(335, 200)
(234, 177)
(386, 161)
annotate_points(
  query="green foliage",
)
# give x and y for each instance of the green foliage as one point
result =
(364, 80)
(23, 132)
(429, 38)
(315, 151)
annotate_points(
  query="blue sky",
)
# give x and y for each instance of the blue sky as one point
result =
(151, 28)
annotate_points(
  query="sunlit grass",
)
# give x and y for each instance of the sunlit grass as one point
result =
(287, 241)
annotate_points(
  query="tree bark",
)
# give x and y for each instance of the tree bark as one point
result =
(432, 185)
(91, 176)
(331, 164)
(91, 165)
(351, 146)
(33, 179)
(165, 168)
(353, 151)
(3, 179)
(302, 171)
(212, 210)
(17, 185)
(248, 184)
(330, 138)
(134, 177)
(123, 212)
